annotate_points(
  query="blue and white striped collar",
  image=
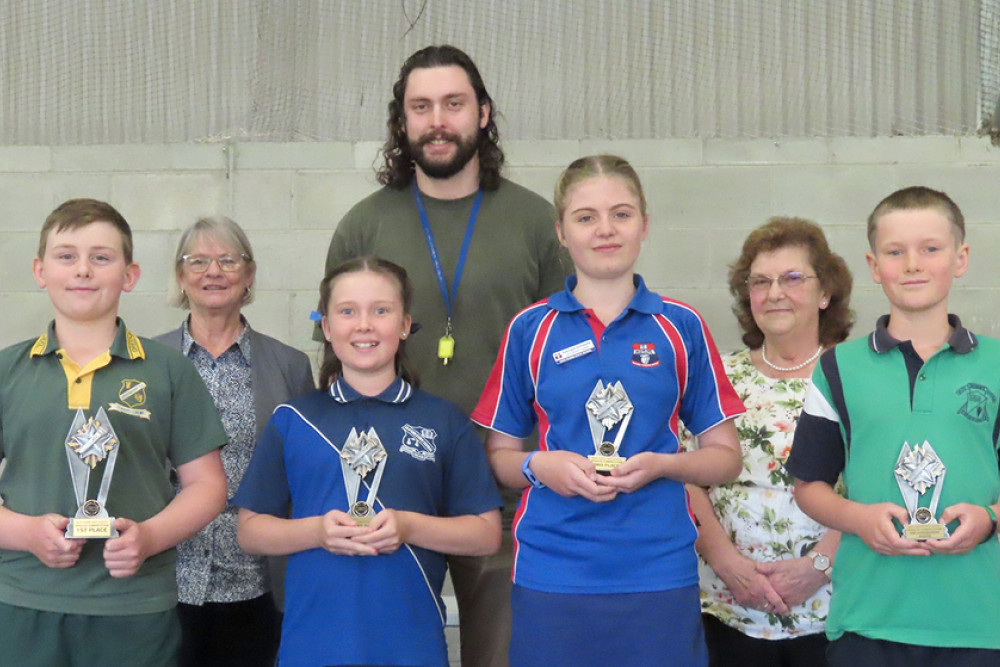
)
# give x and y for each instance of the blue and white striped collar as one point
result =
(399, 391)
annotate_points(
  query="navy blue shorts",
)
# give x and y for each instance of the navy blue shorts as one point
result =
(607, 630)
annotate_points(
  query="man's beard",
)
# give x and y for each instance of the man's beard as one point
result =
(465, 150)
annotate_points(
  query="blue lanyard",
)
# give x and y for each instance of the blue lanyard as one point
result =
(449, 300)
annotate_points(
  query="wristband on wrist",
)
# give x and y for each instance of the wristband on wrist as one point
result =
(993, 528)
(528, 473)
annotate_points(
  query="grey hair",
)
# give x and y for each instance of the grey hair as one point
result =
(222, 230)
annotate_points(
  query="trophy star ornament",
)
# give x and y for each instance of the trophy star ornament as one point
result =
(920, 467)
(92, 443)
(917, 470)
(88, 443)
(361, 454)
(607, 406)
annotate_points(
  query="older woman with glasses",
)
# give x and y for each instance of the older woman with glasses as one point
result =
(764, 570)
(227, 612)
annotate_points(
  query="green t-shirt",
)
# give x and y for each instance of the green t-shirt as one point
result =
(159, 410)
(514, 260)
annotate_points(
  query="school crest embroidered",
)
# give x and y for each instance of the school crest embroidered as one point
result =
(644, 355)
(979, 404)
(418, 442)
(132, 396)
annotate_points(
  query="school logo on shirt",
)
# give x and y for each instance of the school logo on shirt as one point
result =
(132, 396)
(644, 355)
(418, 442)
(978, 399)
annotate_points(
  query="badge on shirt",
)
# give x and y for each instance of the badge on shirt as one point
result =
(573, 351)
(418, 442)
(644, 355)
(132, 396)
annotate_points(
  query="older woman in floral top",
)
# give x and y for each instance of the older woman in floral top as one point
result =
(765, 565)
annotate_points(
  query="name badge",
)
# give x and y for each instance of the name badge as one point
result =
(573, 351)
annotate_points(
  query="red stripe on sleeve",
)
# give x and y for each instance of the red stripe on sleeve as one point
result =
(485, 411)
(538, 344)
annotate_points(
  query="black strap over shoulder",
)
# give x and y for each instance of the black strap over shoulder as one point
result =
(832, 372)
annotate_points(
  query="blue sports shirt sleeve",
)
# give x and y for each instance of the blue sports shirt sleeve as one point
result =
(264, 488)
(709, 397)
(469, 486)
(507, 400)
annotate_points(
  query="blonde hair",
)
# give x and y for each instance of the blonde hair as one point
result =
(588, 167)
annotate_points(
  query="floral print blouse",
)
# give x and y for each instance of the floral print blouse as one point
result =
(757, 510)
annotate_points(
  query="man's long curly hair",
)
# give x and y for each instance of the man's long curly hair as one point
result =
(398, 169)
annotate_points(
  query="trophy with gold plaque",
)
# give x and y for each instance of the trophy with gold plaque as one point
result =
(361, 454)
(607, 406)
(917, 470)
(89, 442)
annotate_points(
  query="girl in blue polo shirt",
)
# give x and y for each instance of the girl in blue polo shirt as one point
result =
(363, 582)
(605, 570)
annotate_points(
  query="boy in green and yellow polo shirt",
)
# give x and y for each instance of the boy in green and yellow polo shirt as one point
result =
(90, 415)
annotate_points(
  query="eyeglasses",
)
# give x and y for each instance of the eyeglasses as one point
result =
(789, 281)
(227, 263)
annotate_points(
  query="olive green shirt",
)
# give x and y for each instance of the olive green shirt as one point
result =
(514, 260)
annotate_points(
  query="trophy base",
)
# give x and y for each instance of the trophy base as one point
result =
(925, 531)
(605, 464)
(85, 529)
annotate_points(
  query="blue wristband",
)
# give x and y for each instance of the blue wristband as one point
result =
(528, 473)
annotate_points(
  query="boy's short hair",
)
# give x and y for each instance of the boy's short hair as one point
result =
(915, 197)
(76, 213)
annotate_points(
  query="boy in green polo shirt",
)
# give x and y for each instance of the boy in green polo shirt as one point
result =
(909, 416)
(89, 416)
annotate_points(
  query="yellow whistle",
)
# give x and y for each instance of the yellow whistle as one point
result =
(446, 349)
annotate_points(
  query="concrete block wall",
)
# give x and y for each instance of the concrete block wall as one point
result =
(704, 196)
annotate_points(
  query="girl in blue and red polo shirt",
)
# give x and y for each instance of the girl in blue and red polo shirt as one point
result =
(605, 570)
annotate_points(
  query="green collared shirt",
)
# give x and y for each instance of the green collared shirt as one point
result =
(158, 409)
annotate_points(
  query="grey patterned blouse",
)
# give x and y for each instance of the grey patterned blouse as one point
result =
(211, 567)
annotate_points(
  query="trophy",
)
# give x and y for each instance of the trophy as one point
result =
(360, 455)
(89, 442)
(917, 470)
(608, 405)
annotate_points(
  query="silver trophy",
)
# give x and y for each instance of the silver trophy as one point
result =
(89, 442)
(359, 456)
(608, 405)
(917, 470)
